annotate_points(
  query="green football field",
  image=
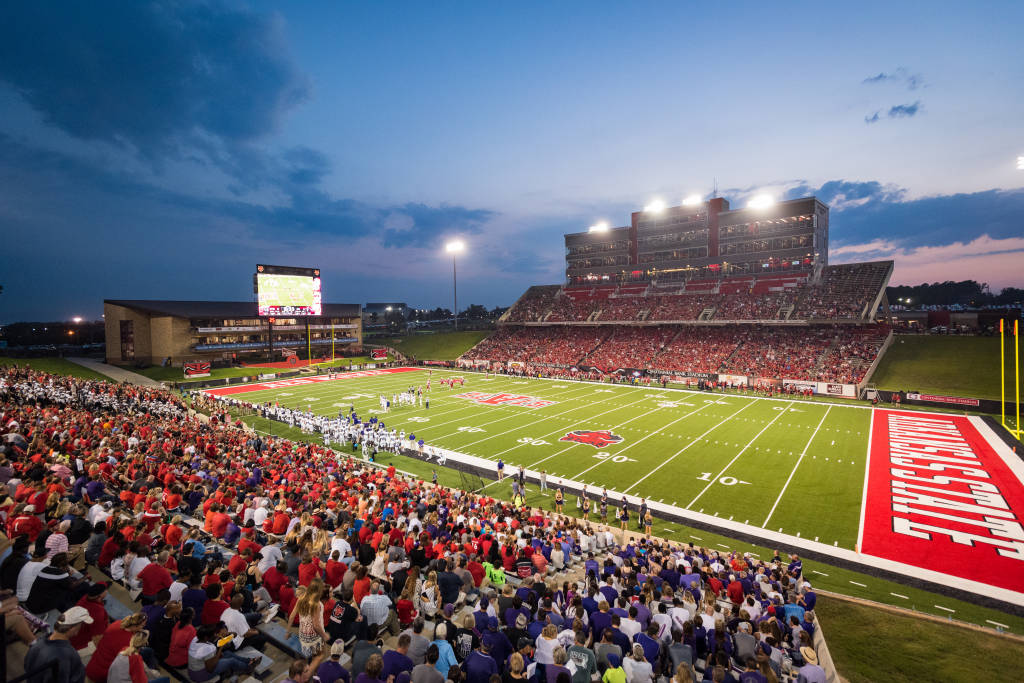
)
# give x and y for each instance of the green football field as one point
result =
(790, 465)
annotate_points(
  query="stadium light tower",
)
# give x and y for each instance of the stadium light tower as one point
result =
(599, 227)
(455, 247)
(693, 200)
(656, 206)
(77, 319)
(761, 201)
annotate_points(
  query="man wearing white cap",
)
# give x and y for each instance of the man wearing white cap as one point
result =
(56, 648)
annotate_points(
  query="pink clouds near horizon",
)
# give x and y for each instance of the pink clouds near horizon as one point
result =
(998, 262)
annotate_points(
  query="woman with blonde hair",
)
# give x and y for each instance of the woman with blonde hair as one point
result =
(310, 610)
(683, 674)
(128, 666)
(429, 595)
(546, 643)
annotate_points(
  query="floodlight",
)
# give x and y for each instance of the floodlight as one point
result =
(656, 206)
(77, 319)
(455, 246)
(760, 201)
(1020, 163)
(599, 227)
(693, 200)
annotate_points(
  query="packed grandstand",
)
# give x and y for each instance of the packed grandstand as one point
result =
(226, 538)
(809, 326)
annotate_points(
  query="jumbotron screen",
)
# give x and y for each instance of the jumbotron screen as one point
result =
(282, 290)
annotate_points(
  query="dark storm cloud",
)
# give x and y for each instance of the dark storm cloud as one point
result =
(162, 77)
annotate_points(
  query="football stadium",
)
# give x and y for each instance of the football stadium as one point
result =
(764, 434)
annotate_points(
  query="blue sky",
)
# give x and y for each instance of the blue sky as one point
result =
(161, 149)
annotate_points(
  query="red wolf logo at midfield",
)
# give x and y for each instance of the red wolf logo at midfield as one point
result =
(598, 439)
(505, 399)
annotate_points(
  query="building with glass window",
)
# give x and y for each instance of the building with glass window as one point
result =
(171, 332)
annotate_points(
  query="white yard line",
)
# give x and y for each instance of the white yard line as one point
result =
(514, 412)
(546, 417)
(561, 430)
(521, 426)
(737, 457)
(571, 445)
(684, 448)
(796, 466)
(646, 436)
(864, 491)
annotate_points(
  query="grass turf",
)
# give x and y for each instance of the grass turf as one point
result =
(438, 346)
(946, 365)
(176, 374)
(55, 366)
(871, 644)
(729, 456)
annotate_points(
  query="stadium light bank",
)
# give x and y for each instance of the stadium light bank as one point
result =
(656, 206)
(761, 201)
(693, 200)
(598, 227)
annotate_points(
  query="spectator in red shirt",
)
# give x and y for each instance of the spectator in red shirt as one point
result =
(274, 578)
(214, 606)
(309, 569)
(154, 578)
(93, 602)
(335, 570)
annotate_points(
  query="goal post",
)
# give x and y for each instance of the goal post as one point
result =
(1016, 429)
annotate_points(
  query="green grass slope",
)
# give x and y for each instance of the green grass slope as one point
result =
(440, 346)
(56, 366)
(939, 364)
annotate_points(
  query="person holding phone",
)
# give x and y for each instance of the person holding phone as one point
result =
(207, 659)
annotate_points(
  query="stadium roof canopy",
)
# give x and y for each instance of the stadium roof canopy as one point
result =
(218, 309)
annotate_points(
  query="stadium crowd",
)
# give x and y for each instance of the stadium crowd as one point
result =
(843, 292)
(225, 537)
(840, 353)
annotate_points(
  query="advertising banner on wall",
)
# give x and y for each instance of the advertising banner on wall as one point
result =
(951, 400)
(733, 379)
(835, 389)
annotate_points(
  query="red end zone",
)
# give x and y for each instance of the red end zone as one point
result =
(301, 381)
(940, 497)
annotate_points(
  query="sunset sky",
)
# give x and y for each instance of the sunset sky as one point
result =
(162, 149)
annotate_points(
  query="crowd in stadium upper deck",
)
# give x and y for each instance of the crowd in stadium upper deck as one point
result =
(222, 533)
(844, 292)
(819, 353)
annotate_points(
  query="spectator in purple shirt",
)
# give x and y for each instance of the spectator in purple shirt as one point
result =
(479, 665)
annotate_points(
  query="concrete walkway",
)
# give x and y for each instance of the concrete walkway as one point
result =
(115, 373)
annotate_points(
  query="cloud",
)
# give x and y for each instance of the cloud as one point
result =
(153, 75)
(844, 194)
(995, 260)
(899, 111)
(900, 76)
